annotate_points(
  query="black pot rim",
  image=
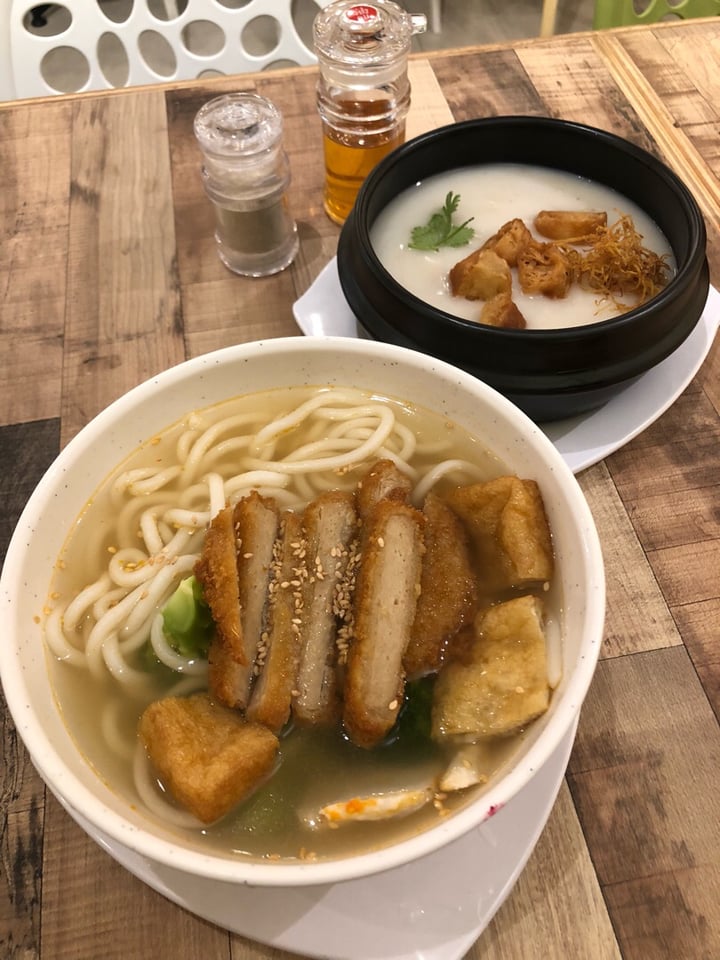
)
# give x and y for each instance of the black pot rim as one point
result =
(448, 323)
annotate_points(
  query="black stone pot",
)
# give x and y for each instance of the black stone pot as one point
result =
(550, 374)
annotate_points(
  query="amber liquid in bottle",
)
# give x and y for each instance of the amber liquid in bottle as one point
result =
(350, 154)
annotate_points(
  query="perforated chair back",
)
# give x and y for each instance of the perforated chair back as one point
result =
(101, 44)
(622, 13)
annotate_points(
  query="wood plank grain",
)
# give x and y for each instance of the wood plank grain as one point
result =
(485, 83)
(124, 314)
(681, 66)
(663, 109)
(93, 907)
(685, 464)
(692, 415)
(698, 624)
(28, 450)
(558, 873)
(35, 162)
(643, 778)
(22, 808)
(578, 86)
(637, 616)
(688, 573)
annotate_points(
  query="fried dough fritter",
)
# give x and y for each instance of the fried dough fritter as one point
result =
(569, 224)
(501, 311)
(480, 276)
(545, 268)
(208, 756)
(510, 241)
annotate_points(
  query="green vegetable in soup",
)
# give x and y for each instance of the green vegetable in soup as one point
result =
(413, 725)
(187, 621)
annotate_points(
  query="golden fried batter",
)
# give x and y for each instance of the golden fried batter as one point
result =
(569, 224)
(480, 276)
(501, 311)
(448, 594)
(510, 241)
(545, 268)
(502, 683)
(217, 572)
(209, 757)
(507, 524)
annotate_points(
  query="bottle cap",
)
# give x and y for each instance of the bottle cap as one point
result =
(365, 34)
(238, 125)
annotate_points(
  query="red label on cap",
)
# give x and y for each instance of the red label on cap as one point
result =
(362, 13)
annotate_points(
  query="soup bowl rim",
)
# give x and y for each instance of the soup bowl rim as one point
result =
(97, 804)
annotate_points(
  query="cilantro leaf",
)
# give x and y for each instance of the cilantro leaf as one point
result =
(439, 231)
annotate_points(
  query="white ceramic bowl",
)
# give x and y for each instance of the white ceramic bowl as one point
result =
(159, 402)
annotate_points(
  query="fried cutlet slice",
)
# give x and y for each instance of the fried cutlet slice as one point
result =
(216, 570)
(545, 268)
(501, 311)
(501, 685)
(207, 756)
(256, 521)
(510, 241)
(384, 609)
(235, 576)
(383, 481)
(508, 527)
(569, 224)
(448, 593)
(330, 523)
(480, 276)
(279, 652)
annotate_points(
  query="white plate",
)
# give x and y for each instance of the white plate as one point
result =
(433, 909)
(323, 311)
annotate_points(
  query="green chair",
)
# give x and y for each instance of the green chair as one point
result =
(622, 13)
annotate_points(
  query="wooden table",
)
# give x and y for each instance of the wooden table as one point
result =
(108, 274)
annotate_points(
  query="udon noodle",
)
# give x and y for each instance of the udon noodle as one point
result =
(143, 531)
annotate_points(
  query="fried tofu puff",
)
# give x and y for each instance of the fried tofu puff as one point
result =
(501, 684)
(569, 224)
(544, 268)
(508, 526)
(480, 276)
(208, 756)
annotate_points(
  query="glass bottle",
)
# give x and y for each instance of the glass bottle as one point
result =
(363, 92)
(245, 173)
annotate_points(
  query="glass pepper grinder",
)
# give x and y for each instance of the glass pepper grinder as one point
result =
(363, 91)
(246, 173)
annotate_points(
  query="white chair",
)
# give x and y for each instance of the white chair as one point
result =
(153, 43)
